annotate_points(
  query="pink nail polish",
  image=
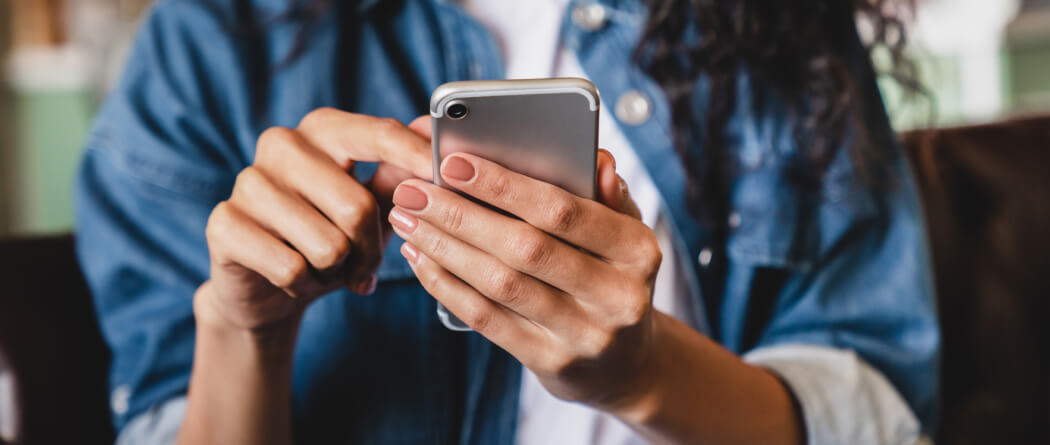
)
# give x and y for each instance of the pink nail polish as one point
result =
(410, 253)
(403, 221)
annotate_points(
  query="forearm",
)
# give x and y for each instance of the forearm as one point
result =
(240, 388)
(695, 391)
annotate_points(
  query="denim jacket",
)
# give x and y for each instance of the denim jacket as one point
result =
(206, 77)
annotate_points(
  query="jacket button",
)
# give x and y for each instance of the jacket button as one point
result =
(118, 399)
(705, 257)
(589, 16)
(633, 108)
(734, 220)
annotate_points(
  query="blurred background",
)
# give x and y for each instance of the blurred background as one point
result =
(982, 60)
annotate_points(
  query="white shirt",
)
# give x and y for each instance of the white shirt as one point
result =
(528, 32)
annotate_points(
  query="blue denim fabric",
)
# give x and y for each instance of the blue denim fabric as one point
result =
(851, 261)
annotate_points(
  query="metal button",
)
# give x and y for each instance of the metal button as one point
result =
(589, 16)
(118, 399)
(705, 256)
(633, 108)
(734, 220)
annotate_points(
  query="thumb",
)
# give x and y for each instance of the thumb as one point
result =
(612, 190)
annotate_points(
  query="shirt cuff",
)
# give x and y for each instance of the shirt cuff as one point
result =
(843, 399)
(157, 426)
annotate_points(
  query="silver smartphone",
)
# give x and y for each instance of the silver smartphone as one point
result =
(543, 128)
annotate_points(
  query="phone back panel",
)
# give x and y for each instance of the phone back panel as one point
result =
(541, 129)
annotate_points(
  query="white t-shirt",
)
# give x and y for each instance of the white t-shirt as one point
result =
(528, 32)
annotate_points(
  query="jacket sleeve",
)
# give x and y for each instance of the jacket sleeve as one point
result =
(159, 157)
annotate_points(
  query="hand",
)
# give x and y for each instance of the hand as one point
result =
(298, 224)
(566, 288)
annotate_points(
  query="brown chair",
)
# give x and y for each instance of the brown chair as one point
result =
(51, 342)
(987, 202)
(986, 191)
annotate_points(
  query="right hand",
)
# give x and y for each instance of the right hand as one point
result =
(298, 224)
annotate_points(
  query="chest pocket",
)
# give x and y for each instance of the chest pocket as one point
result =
(772, 221)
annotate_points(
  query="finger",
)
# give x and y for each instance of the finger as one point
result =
(502, 326)
(422, 126)
(240, 242)
(348, 137)
(512, 241)
(322, 244)
(545, 206)
(514, 290)
(612, 190)
(294, 164)
(388, 176)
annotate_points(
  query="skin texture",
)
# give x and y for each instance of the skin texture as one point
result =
(573, 304)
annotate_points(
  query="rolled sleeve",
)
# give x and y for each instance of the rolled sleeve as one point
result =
(843, 399)
(157, 426)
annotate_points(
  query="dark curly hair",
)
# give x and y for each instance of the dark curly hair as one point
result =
(799, 50)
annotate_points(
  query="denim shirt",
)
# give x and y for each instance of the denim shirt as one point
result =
(206, 77)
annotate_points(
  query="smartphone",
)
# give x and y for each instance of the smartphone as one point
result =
(544, 128)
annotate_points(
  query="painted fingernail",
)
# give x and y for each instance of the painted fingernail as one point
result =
(373, 281)
(403, 221)
(410, 253)
(457, 168)
(410, 197)
(365, 285)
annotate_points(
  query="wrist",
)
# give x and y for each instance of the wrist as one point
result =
(273, 341)
(641, 403)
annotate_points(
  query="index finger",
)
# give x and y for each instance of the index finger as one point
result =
(351, 137)
(581, 222)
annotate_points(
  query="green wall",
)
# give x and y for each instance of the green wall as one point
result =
(49, 127)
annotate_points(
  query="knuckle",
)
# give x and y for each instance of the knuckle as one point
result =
(353, 215)
(452, 217)
(274, 140)
(562, 214)
(218, 221)
(508, 287)
(499, 188)
(317, 117)
(387, 128)
(650, 257)
(531, 251)
(477, 316)
(330, 253)
(248, 181)
(634, 311)
(438, 246)
(597, 342)
(288, 271)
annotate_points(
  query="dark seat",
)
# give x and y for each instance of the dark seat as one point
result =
(51, 343)
(987, 199)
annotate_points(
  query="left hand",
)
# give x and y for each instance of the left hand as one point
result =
(566, 289)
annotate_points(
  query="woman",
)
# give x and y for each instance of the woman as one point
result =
(765, 280)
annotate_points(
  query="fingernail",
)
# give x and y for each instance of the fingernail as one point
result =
(410, 253)
(364, 285)
(373, 281)
(403, 221)
(410, 197)
(458, 169)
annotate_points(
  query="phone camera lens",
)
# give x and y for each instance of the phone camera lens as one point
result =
(457, 111)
